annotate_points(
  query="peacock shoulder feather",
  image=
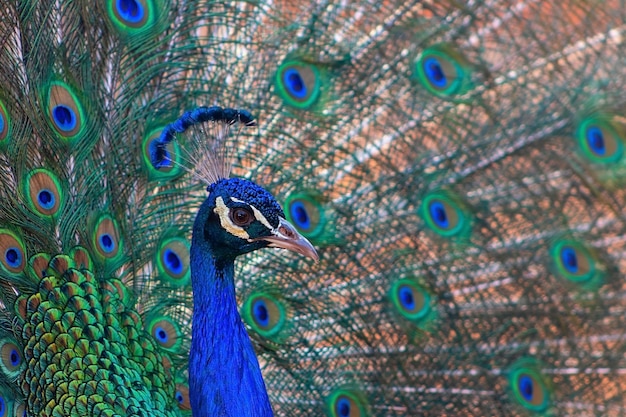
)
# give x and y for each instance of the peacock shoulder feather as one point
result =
(459, 167)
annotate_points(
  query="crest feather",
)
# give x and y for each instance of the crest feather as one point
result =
(206, 130)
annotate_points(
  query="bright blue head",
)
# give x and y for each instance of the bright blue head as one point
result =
(238, 217)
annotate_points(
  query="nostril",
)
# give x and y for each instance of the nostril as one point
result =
(286, 231)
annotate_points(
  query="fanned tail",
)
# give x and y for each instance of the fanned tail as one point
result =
(463, 182)
(459, 166)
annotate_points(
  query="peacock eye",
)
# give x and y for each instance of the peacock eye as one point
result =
(241, 216)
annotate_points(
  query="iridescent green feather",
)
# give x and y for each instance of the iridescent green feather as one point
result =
(313, 216)
(444, 72)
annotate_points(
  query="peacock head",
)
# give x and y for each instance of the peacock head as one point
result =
(239, 217)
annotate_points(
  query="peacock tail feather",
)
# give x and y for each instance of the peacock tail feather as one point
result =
(460, 167)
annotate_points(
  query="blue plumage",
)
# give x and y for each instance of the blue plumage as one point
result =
(224, 374)
(237, 217)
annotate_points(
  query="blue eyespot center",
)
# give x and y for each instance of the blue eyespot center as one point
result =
(106, 242)
(130, 10)
(179, 397)
(13, 257)
(405, 294)
(167, 160)
(569, 259)
(161, 334)
(438, 213)
(300, 215)
(46, 199)
(14, 357)
(435, 73)
(295, 84)
(2, 123)
(595, 140)
(343, 407)
(173, 262)
(261, 313)
(64, 117)
(526, 387)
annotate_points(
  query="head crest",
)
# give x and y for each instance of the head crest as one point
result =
(207, 154)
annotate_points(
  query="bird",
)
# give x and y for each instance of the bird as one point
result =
(457, 166)
(237, 217)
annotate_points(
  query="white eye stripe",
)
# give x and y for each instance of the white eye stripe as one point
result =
(260, 217)
(257, 214)
(223, 212)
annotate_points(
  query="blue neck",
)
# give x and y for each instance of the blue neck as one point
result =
(224, 374)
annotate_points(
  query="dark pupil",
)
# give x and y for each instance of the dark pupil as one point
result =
(344, 409)
(107, 241)
(241, 216)
(296, 82)
(301, 215)
(173, 260)
(262, 312)
(162, 334)
(63, 114)
(527, 388)
(130, 7)
(408, 297)
(45, 197)
(441, 215)
(597, 140)
(12, 255)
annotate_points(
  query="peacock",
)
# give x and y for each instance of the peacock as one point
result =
(448, 178)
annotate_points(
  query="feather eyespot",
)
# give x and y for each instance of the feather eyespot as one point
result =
(529, 386)
(13, 257)
(12, 252)
(4, 409)
(306, 213)
(5, 124)
(443, 71)
(182, 397)
(241, 216)
(601, 139)
(344, 403)
(299, 84)
(131, 16)
(44, 192)
(410, 300)
(12, 361)
(66, 112)
(130, 10)
(298, 212)
(172, 260)
(268, 315)
(106, 239)
(576, 262)
(166, 332)
(435, 73)
(445, 214)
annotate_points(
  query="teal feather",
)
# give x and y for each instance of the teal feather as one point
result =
(459, 166)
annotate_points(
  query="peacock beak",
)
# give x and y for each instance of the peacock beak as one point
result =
(285, 236)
